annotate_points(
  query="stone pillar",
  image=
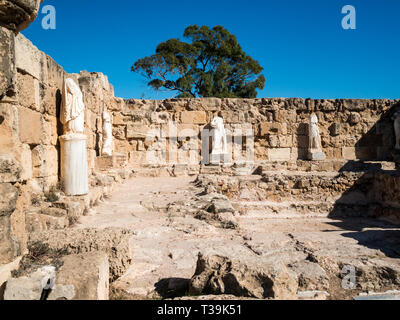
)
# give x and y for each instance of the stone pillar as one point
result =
(74, 165)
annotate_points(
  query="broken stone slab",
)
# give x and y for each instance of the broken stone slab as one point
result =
(313, 295)
(311, 276)
(243, 277)
(212, 196)
(224, 220)
(220, 205)
(36, 222)
(86, 275)
(5, 271)
(74, 209)
(116, 242)
(30, 287)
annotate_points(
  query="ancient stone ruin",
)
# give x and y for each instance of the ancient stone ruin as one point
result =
(271, 198)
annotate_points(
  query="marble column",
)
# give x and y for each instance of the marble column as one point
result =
(74, 164)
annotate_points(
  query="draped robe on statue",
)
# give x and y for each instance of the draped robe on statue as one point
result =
(72, 111)
(219, 141)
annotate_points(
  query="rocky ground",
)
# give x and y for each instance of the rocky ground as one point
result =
(190, 243)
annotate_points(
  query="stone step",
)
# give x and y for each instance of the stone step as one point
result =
(306, 209)
(37, 222)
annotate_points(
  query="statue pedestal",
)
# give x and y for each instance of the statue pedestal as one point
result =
(217, 159)
(74, 164)
(316, 156)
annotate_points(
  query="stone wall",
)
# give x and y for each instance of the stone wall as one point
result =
(15, 156)
(350, 129)
(30, 100)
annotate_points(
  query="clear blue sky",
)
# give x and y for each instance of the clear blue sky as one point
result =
(300, 43)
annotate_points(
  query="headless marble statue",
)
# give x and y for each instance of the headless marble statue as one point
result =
(315, 150)
(72, 112)
(219, 140)
(107, 135)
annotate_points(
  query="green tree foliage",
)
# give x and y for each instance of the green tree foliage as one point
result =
(210, 64)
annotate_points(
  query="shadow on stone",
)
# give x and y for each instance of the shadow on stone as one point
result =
(170, 288)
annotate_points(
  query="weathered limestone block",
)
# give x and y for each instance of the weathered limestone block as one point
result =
(361, 153)
(279, 154)
(7, 63)
(8, 128)
(193, 117)
(51, 100)
(160, 117)
(29, 59)
(8, 199)
(30, 126)
(125, 146)
(233, 117)
(174, 130)
(87, 273)
(50, 130)
(55, 74)
(105, 163)
(29, 92)
(37, 222)
(273, 128)
(141, 131)
(119, 132)
(44, 161)
(117, 243)
(9, 246)
(23, 155)
(10, 169)
(354, 104)
(242, 278)
(16, 15)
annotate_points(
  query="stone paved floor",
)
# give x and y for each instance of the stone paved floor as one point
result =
(167, 244)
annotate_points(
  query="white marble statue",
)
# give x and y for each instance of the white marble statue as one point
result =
(315, 149)
(72, 111)
(219, 140)
(107, 135)
(74, 165)
(396, 124)
(314, 135)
